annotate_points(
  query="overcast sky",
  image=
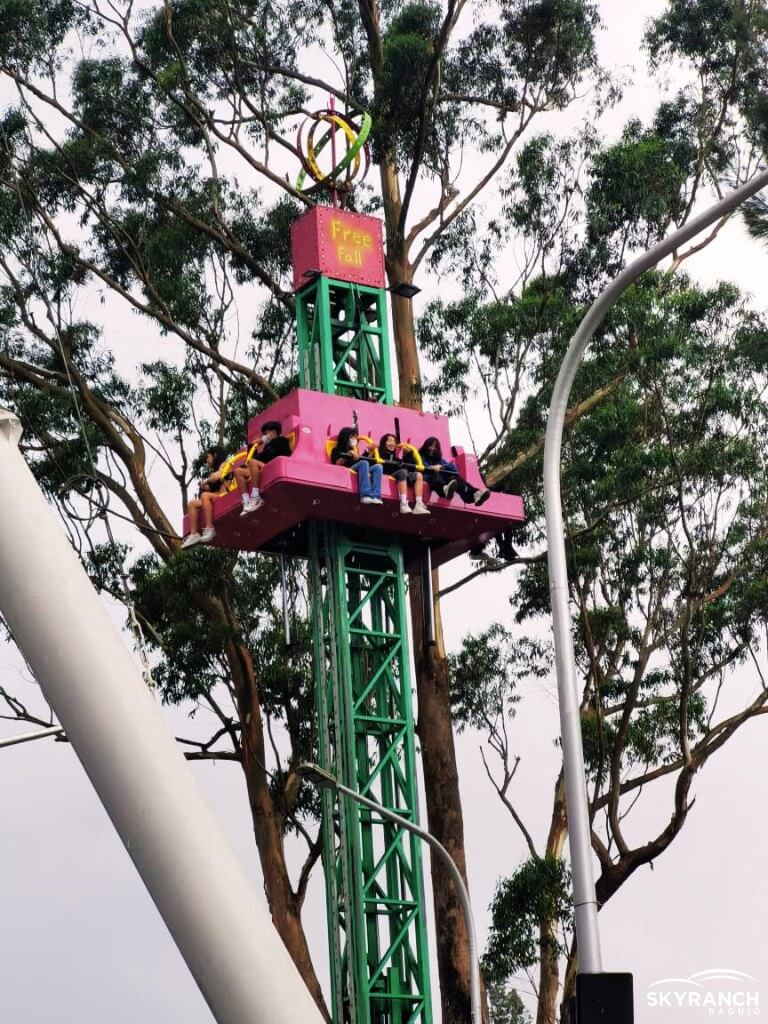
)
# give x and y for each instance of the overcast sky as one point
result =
(81, 942)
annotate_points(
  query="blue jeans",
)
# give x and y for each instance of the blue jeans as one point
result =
(369, 478)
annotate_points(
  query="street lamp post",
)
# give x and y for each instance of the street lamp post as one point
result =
(320, 777)
(579, 826)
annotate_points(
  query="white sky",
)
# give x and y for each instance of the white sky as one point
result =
(80, 941)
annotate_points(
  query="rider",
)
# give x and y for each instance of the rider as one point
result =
(400, 463)
(247, 476)
(443, 476)
(210, 487)
(369, 473)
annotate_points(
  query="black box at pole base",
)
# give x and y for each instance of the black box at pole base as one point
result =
(604, 999)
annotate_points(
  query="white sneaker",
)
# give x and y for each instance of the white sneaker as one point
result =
(405, 508)
(191, 540)
(420, 509)
(376, 501)
(367, 501)
(482, 496)
(208, 534)
(251, 506)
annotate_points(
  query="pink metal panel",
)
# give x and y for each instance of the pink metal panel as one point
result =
(327, 414)
(306, 486)
(339, 244)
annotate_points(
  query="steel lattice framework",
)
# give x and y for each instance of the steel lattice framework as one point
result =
(373, 869)
(343, 339)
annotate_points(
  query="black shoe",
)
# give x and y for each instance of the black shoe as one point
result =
(450, 488)
(482, 496)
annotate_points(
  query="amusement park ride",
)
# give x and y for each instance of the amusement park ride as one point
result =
(358, 557)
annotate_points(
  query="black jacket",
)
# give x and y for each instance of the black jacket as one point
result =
(274, 449)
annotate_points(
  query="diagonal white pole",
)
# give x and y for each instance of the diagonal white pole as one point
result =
(86, 672)
(579, 829)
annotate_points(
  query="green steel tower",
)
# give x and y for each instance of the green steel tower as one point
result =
(373, 870)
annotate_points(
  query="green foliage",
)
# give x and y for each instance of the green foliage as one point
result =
(538, 891)
(175, 597)
(507, 340)
(192, 662)
(167, 394)
(264, 233)
(638, 186)
(550, 41)
(708, 33)
(105, 564)
(726, 41)
(486, 671)
(407, 62)
(109, 103)
(506, 1006)
(424, 93)
(756, 217)
(544, 168)
(204, 49)
(30, 32)
(286, 685)
(664, 465)
(554, 37)
(662, 480)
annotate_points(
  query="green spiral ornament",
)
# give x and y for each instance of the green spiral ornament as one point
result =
(354, 164)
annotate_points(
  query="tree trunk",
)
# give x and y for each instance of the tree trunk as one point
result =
(549, 976)
(267, 828)
(405, 341)
(267, 821)
(435, 726)
(569, 985)
(444, 814)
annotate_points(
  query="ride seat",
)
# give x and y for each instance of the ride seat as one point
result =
(304, 487)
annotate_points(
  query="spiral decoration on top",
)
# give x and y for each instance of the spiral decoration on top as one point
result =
(343, 144)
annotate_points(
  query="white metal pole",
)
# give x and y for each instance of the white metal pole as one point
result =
(221, 927)
(579, 829)
(319, 775)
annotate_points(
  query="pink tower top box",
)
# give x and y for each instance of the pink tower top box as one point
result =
(339, 244)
